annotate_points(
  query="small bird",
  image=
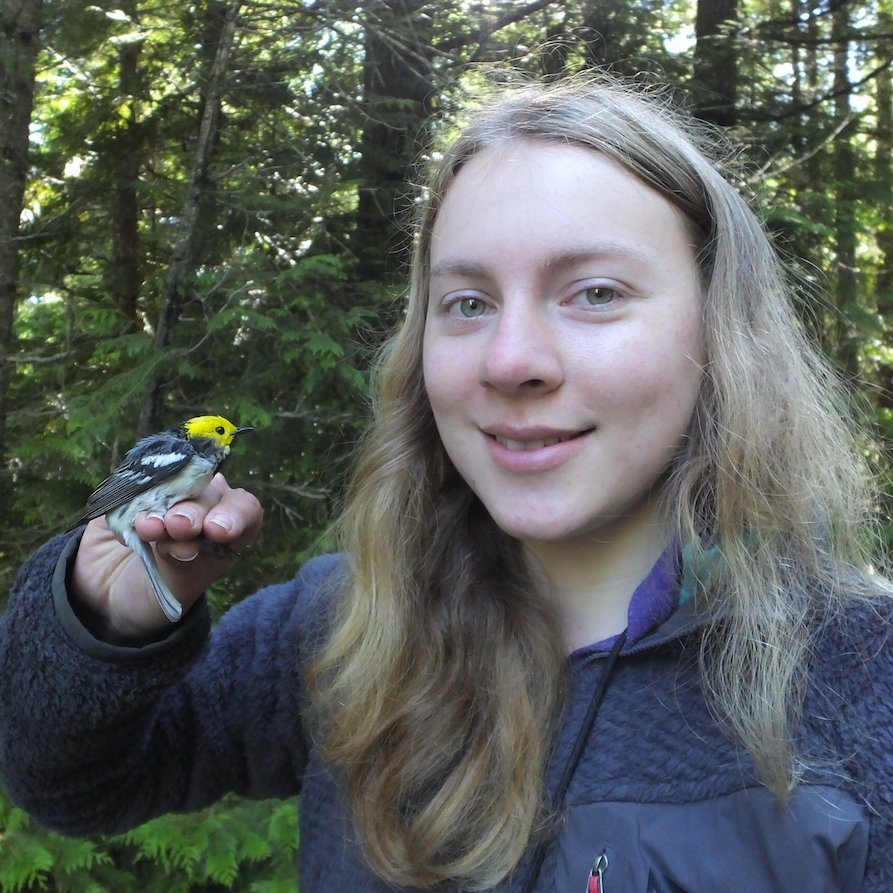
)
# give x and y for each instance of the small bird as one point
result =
(157, 472)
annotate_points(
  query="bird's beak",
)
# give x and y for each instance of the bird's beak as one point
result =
(245, 430)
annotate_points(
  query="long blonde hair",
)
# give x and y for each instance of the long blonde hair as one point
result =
(441, 680)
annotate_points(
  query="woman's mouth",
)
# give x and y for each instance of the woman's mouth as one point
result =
(527, 445)
(534, 449)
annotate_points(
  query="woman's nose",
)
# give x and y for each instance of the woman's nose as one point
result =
(522, 352)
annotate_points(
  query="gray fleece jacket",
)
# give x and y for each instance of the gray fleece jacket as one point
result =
(99, 738)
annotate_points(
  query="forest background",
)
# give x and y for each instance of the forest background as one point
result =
(204, 207)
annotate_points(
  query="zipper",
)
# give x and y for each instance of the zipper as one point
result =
(539, 854)
(596, 881)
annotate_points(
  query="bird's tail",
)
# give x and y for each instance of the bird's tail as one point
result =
(173, 610)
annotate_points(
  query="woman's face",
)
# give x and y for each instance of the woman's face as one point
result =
(563, 349)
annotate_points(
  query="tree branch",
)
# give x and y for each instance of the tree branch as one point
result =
(491, 28)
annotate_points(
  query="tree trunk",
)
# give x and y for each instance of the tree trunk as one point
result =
(19, 41)
(715, 65)
(397, 83)
(185, 252)
(125, 159)
(798, 143)
(884, 173)
(884, 176)
(847, 279)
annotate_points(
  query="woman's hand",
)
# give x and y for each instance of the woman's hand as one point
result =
(195, 543)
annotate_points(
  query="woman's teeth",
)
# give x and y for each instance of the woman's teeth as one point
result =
(519, 445)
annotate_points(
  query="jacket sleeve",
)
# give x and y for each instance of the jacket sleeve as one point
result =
(96, 738)
(858, 711)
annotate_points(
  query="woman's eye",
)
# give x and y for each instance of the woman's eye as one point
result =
(469, 307)
(599, 295)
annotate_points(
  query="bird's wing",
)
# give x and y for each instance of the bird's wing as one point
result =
(153, 460)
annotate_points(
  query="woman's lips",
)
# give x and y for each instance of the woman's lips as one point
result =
(533, 449)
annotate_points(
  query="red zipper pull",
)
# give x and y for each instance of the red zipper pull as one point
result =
(596, 883)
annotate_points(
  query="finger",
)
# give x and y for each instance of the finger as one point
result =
(187, 570)
(231, 524)
(150, 526)
(236, 519)
(183, 520)
(182, 552)
(199, 537)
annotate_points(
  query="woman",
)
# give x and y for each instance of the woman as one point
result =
(601, 623)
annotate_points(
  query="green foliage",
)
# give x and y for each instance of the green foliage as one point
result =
(277, 320)
(237, 845)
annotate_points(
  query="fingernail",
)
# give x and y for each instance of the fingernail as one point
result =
(183, 558)
(223, 521)
(187, 515)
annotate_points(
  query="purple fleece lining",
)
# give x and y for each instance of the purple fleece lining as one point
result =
(652, 603)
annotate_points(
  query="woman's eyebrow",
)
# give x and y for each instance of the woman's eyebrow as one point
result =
(458, 267)
(560, 260)
(571, 257)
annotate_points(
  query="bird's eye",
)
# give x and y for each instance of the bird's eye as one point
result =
(220, 430)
